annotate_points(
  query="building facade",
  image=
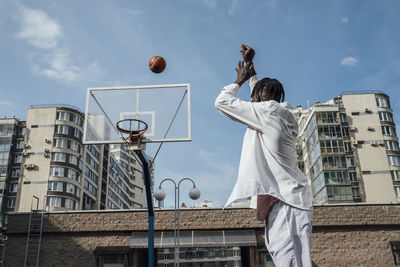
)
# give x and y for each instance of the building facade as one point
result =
(357, 234)
(12, 132)
(50, 168)
(348, 149)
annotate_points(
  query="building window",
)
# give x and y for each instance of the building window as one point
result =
(70, 204)
(111, 205)
(13, 188)
(5, 143)
(328, 132)
(15, 173)
(211, 253)
(89, 187)
(77, 119)
(94, 151)
(63, 116)
(356, 192)
(54, 201)
(78, 192)
(113, 260)
(4, 157)
(55, 186)
(91, 175)
(74, 175)
(57, 171)
(347, 147)
(20, 144)
(57, 156)
(76, 147)
(11, 202)
(394, 160)
(391, 145)
(73, 160)
(350, 162)
(70, 188)
(388, 130)
(334, 162)
(58, 142)
(385, 116)
(92, 162)
(18, 159)
(327, 117)
(6, 130)
(395, 175)
(382, 102)
(77, 133)
(397, 191)
(61, 129)
(22, 131)
(343, 117)
(353, 177)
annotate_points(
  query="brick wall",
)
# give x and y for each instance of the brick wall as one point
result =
(343, 235)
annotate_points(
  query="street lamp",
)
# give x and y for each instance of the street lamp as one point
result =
(194, 194)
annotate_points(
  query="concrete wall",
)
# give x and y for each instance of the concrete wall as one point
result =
(34, 181)
(378, 186)
(343, 235)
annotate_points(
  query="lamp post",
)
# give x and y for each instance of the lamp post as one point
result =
(194, 194)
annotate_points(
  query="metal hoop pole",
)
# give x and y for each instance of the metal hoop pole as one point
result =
(147, 183)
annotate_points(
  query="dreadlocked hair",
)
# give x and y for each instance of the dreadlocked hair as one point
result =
(268, 89)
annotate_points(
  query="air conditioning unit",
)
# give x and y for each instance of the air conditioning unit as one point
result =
(352, 129)
(48, 141)
(46, 155)
(354, 143)
(30, 166)
(367, 110)
(27, 146)
(24, 154)
(374, 143)
(47, 150)
(370, 128)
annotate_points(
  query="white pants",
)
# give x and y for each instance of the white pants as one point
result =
(288, 235)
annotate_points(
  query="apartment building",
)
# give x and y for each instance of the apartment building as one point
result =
(348, 149)
(12, 133)
(49, 167)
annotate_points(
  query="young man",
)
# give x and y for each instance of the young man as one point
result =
(268, 168)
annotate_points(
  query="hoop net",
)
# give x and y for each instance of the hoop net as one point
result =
(132, 131)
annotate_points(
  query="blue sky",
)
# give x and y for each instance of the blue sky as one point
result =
(53, 50)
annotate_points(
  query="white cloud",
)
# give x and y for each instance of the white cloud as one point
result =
(56, 63)
(38, 29)
(135, 11)
(58, 66)
(344, 19)
(6, 103)
(349, 61)
(233, 7)
(212, 4)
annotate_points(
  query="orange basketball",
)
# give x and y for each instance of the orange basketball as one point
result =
(157, 64)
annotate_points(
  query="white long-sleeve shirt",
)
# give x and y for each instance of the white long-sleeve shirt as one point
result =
(268, 163)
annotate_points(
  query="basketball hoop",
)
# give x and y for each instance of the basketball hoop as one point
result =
(136, 130)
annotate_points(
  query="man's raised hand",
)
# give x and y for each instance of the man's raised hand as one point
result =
(244, 72)
(248, 53)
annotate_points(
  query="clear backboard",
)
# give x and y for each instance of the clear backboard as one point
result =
(164, 108)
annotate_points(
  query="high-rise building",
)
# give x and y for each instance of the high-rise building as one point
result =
(49, 167)
(12, 133)
(349, 150)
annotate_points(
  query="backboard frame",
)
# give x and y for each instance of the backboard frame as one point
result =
(144, 87)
